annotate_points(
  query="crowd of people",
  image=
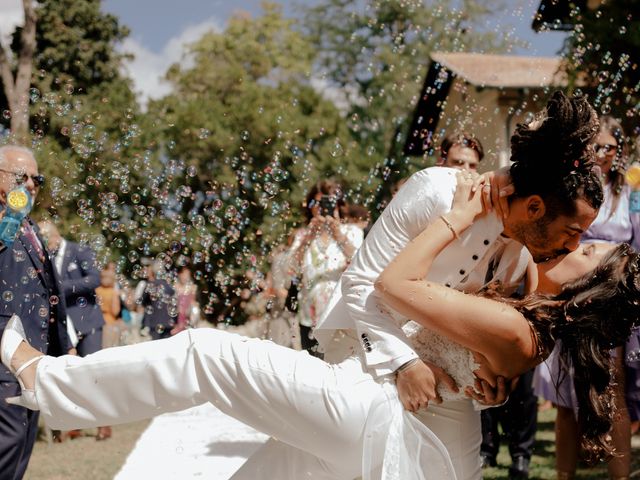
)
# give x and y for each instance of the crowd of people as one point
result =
(463, 284)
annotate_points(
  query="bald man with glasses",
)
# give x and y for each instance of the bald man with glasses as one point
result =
(30, 288)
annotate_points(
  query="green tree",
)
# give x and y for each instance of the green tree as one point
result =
(377, 52)
(15, 75)
(245, 136)
(603, 54)
(91, 140)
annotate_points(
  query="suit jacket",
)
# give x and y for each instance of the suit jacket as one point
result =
(463, 265)
(160, 305)
(30, 288)
(80, 278)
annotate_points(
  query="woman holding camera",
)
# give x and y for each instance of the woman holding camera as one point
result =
(320, 253)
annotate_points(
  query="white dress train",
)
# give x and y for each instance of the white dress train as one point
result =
(327, 421)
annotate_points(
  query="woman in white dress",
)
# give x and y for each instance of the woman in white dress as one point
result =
(345, 422)
(320, 252)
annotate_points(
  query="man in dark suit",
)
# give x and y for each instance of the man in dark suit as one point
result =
(29, 288)
(159, 303)
(76, 266)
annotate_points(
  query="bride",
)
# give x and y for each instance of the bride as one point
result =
(338, 415)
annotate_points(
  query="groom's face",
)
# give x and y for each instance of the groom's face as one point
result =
(546, 239)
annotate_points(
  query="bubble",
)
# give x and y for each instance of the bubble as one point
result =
(270, 188)
(32, 272)
(633, 356)
(622, 30)
(81, 302)
(133, 256)
(43, 312)
(34, 95)
(7, 295)
(54, 300)
(191, 171)
(6, 114)
(244, 135)
(24, 279)
(19, 256)
(204, 133)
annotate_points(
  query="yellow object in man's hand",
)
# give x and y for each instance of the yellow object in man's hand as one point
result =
(17, 199)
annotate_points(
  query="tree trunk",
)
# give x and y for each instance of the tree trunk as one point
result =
(17, 90)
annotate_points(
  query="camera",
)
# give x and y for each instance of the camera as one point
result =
(327, 205)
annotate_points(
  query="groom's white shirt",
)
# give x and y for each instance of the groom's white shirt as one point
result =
(463, 265)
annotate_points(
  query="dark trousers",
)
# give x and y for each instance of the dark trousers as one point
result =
(518, 418)
(308, 341)
(160, 332)
(90, 342)
(18, 431)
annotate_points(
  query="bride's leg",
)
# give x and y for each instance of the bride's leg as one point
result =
(290, 395)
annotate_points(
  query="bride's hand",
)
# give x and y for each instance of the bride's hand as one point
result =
(467, 200)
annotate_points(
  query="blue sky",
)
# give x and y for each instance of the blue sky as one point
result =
(161, 28)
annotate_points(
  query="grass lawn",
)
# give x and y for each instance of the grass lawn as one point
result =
(84, 458)
(543, 461)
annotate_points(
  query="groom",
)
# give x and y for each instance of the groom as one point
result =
(556, 199)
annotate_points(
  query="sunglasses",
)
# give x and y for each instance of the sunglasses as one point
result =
(22, 178)
(606, 148)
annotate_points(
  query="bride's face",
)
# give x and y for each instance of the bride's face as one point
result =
(555, 273)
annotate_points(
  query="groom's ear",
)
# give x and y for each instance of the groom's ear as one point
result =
(535, 207)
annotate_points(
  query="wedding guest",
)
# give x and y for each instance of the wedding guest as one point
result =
(186, 291)
(158, 302)
(109, 300)
(282, 327)
(357, 215)
(320, 252)
(31, 289)
(461, 150)
(79, 274)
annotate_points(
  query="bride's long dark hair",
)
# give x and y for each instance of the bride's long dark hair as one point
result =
(590, 316)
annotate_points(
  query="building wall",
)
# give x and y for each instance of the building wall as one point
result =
(486, 112)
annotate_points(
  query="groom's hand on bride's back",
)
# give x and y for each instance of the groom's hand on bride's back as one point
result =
(418, 385)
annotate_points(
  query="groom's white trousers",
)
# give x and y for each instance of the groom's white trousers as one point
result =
(316, 412)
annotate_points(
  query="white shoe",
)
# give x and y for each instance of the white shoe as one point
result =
(12, 337)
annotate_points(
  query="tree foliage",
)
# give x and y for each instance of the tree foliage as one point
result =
(246, 135)
(604, 51)
(89, 136)
(377, 53)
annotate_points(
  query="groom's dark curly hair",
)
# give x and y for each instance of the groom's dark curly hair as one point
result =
(553, 156)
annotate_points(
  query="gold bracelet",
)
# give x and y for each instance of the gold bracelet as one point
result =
(450, 227)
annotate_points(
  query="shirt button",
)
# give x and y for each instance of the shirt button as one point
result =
(475, 257)
(486, 242)
(448, 285)
(462, 272)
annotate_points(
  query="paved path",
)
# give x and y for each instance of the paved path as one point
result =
(199, 443)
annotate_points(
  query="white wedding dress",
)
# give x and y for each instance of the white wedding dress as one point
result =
(342, 423)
